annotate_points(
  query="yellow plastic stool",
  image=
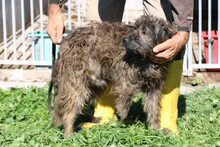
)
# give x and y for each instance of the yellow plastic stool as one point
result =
(169, 103)
(104, 108)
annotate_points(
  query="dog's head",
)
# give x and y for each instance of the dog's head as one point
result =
(149, 31)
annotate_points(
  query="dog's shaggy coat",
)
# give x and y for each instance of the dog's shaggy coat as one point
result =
(91, 57)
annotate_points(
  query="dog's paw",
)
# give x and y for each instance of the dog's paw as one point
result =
(166, 131)
(122, 114)
(155, 125)
(68, 132)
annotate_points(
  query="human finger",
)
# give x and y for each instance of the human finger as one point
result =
(163, 57)
(59, 35)
(52, 33)
(162, 46)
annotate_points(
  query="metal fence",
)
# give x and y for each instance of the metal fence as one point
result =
(17, 25)
(29, 44)
(205, 52)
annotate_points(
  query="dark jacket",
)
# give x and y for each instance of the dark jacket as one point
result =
(182, 13)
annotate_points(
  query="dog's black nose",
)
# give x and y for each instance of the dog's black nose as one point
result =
(125, 40)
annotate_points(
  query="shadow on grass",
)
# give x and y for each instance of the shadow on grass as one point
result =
(181, 105)
(136, 113)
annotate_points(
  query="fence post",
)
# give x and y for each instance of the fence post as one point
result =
(189, 48)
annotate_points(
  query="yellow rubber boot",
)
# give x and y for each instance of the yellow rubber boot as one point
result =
(169, 103)
(104, 108)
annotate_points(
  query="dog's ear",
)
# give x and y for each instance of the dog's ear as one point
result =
(172, 29)
(140, 21)
(164, 30)
(156, 23)
(169, 31)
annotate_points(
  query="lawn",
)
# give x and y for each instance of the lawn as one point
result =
(24, 121)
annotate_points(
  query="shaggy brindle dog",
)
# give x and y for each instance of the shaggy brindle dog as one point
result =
(92, 57)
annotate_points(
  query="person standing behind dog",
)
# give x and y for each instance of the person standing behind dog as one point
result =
(179, 13)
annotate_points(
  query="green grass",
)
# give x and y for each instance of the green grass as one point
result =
(24, 121)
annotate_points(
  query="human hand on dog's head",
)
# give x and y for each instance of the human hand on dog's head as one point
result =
(55, 23)
(167, 50)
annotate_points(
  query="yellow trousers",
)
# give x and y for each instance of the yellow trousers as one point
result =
(104, 107)
(169, 102)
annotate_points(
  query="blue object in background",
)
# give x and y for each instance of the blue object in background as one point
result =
(47, 49)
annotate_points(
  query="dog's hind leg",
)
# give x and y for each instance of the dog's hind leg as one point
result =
(67, 106)
(70, 115)
(151, 105)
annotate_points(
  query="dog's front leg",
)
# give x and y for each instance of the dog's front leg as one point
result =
(125, 92)
(151, 105)
(123, 104)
